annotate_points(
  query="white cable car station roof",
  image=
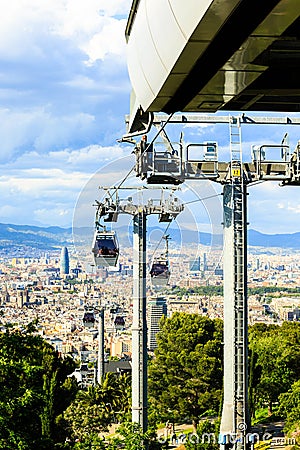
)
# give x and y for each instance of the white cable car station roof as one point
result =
(210, 55)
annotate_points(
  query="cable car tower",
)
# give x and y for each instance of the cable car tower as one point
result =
(108, 210)
(235, 176)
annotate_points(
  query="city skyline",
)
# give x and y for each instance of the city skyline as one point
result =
(65, 93)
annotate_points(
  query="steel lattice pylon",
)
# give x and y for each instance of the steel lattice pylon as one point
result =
(235, 176)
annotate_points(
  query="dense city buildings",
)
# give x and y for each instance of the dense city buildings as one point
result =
(38, 289)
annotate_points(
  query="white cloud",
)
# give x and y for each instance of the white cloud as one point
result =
(22, 21)
(63, 96)
(86, 160)
(45, 216)
(28, 195)
(63, 74)
(109, 40)
(64, 93)
(41, 183)
(48, 190)
(293, 208)
(42, 131)
(273, 208)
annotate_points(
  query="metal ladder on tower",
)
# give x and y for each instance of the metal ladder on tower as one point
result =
(235, 139)
(239, 270)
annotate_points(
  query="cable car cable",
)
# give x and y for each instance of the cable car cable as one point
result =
(254, 183)
(140, 157)
(164, 233)
(218, 195)
(167, 227)
(201, 199)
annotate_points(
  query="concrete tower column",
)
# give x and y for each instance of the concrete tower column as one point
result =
(100, 372)
(139, 324)
(235, 423)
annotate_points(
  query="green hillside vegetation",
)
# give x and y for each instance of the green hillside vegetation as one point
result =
(268, 291)
(185, 376)
(42, 408)
(274, 362)
(34, 391)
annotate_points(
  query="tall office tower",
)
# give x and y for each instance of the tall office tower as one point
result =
(204, 262)
(64, 261)
(157, 307)
(194, 264)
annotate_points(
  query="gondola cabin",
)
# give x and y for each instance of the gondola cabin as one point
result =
(88, 319)
(105, 248)
(119, 323)
(160, 273)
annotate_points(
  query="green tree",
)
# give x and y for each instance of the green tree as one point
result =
(275, 361)
(206, 437)
(95, 409)
(131, 437)
(185, 376)
(289, 408)
(116, 394)
(58, 392)
(30, 389)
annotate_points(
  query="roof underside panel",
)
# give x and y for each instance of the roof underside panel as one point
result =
(209, 55)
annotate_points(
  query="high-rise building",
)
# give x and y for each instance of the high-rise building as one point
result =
(157, 307)
(204, 262)
(64, 261)
(194, 264)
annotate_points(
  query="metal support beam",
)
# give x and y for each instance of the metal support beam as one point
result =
(139, 324)
(159, 119)
(215, 119)
(100, 372)
(235, 429)
(235, 423)
(167, 209)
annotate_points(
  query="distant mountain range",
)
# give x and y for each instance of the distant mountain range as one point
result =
(14, 237)
(285, 240)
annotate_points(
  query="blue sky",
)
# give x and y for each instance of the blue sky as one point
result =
(64, 93)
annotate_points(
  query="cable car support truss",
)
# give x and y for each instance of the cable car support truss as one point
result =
(175, 166)
(167, 207)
